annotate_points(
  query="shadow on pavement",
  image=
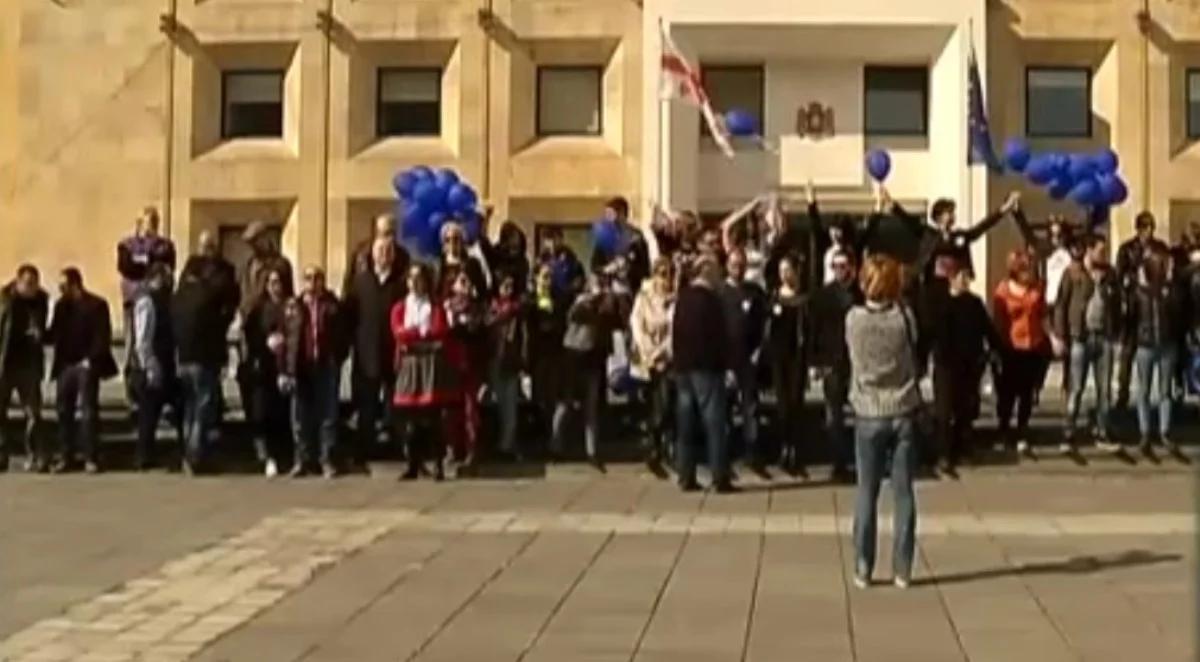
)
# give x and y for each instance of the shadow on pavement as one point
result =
(1073, 565)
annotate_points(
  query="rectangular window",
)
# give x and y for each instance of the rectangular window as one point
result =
(732, 87)
(251, 104)
(1193, 103)
(569, 101)
(1058, 102)
(896, 101)
(409, 102)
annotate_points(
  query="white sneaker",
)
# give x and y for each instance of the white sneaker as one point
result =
(861, 581)
(272, 470)
(901, 582)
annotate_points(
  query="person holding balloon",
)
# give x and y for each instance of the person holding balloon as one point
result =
(566, 271)
(942, 238)
(842, 238)
(616, 238)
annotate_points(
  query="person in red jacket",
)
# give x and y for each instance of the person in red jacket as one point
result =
(1020, 313)
(428, 368)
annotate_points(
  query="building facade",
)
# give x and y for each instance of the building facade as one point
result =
(299, 112)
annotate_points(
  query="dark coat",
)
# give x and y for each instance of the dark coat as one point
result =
(933, 243)
(253, 280)
(827, 319)
(135, 257)
(265, 318)
(361, 261)
(330, 341)
(1075, 291)
(32, 354)
(1158, 316)
(204, 306)
(699, 338)
(746, 318)
(505, 260)
(368, 309)
(80, 330)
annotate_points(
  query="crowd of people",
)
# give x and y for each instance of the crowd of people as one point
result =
(694, 325)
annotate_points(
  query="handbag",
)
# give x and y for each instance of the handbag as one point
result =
(923, 419)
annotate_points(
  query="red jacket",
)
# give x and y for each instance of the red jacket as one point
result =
(406, 339)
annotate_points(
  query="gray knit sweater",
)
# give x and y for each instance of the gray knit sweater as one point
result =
(884, 380)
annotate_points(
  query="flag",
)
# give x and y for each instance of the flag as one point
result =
(980, 136)
(681, 81)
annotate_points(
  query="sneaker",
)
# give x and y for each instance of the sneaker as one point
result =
(1023, 446)
(328, 471)
(1067, 448)
(1105, 446)
(298, 471)
(902, 581)
(91, 467)
(271, 470)
(861, 581)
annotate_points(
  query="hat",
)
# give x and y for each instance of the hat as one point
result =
(254, 231)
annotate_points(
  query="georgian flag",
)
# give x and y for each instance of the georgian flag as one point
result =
(681, 81)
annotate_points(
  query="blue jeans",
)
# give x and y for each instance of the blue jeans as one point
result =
(1151, 360)
(700, 397)
(507, 387)
(200, 385)
(315, 411)
(874, 439)
(1091, 352)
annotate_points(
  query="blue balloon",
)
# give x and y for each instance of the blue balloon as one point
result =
(403, 183)
(445, 178)
(1040, 170)
(421, 173)
(429, 195)
(1059, 188)
(1060, 163)
(461, 198)
(414, 221)
(1086, 192)
(1080, 168)
(1106, 162)
(606, 237)
(1016, 154)
(1112, 190)
(741, 123)
(879, 164)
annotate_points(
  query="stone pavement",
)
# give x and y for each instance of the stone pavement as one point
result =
(578, 566)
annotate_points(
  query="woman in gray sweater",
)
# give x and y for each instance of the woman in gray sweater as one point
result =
(881, 336)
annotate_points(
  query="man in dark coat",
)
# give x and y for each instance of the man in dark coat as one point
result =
(368, 303)
(204, 306)
(24, 307)
(831, 358)
(361, 259)
(81, 334)
(746, 317)
(1130, 257)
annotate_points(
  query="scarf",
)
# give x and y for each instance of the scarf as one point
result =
(418, 313)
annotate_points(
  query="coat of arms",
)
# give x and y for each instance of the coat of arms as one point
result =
(814, 120)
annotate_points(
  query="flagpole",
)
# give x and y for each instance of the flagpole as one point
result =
(662, 129)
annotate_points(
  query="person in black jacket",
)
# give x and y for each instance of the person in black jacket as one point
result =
(81, 334)
(631, 254)
(941, 239)
(361, 259)
(547, 322)
(1130, 257)
(1157, 315)
(508, 255)
(368, 305)
(787, 351)
(264, 332)
(745, 304)
(316, 346)
(962, 338)
(205, 304)
(24, 308)
(152, 360)
(830, 357)
(701, 358)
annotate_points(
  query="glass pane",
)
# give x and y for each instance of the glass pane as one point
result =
(1193, 104)
(735, 87)
(265, 87)
(895, 99)
(254, 120)
(568, 100)
(410, 119)
(1058, 102)
(414, 85)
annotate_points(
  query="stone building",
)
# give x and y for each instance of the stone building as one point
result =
(298, 112)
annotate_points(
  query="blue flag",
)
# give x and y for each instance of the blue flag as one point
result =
(979, 149)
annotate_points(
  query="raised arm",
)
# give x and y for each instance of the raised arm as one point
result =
(733, 219)
(982, 227)
(915, 225)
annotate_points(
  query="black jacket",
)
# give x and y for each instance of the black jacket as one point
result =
(306, 350)
(23, 347)
(933, 243)
(368, 309)
(204, 306)
(696, 344)
(265, 318)
(1130, 257)
(746, 316)
(361, 261)
(827, 319)
(1158, 316)
(962, 335)
(81, 329)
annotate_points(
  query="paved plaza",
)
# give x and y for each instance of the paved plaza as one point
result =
(1012, 565)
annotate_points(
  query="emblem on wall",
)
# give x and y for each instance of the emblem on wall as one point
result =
(815, 120)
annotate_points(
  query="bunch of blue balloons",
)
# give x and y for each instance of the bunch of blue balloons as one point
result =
(1090, 180)
(428, 200)
(741, 123)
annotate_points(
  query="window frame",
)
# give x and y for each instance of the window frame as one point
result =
(1192, 131)
(1089, 130)
(226, 74)
(541, 132)
(758, 68)
(380, 72)
(897, 133)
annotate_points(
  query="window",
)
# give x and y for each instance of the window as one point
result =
(1193, 103)
(409, 102)
(568, 101)
(731, 87)
(251, 104)
(1058, 102)
(896, 101)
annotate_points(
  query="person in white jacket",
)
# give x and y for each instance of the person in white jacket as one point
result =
(650, 323)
